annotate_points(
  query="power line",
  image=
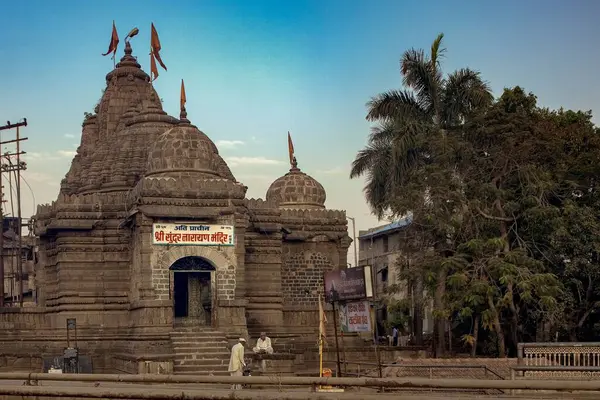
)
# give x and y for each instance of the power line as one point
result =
(20, 165)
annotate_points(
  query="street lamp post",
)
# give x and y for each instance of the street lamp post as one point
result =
(354, 240)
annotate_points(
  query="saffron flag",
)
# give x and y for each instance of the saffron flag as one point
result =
(182, 98)
(153, 68)
(322, 319)
(114, 42)
(291, 148)
(155, 46)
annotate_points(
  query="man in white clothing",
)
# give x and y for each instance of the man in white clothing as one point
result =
(263, 344)
(236, 362)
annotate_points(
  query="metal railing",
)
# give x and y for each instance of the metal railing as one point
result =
(552, 368)
(397, 383)
(557, 353)
(378, 368)
(430, 367)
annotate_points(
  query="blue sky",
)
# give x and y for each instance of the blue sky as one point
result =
(256, 69)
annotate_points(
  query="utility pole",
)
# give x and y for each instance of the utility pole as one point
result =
(21, 165)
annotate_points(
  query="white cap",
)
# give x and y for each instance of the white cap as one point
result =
(242, 339)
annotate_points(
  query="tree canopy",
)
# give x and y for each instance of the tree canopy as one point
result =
(504, 201)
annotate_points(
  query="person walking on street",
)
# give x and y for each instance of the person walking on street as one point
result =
(236, 362)
(395, 334)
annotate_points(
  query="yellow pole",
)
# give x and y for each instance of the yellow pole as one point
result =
(320, 337)
(321, 357)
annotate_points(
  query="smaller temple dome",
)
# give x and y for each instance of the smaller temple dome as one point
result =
(297, 190)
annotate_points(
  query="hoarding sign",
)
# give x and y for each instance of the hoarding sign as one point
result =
(192, 234)
(355, 317)
(348, 284)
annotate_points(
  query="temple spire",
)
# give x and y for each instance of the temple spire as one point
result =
(182, 101)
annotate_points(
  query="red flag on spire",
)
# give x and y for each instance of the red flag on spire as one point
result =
(114, 42)
(155, 46)
(290, 149)
(153, 68)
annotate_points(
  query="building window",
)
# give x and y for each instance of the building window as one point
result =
(385, 244)
(384, 275)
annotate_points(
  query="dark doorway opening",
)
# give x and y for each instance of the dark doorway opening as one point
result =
(192, 294)
(180, 294)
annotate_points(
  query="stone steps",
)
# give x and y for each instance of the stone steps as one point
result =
(199, 345)
(202, 361)
(194, 353)
(199, 351)
(205, 373)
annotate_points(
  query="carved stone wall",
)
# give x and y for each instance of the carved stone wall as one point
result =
(302, 277)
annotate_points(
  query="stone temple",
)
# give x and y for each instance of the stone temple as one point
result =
(146, 307)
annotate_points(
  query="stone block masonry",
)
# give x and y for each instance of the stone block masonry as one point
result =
(302, 277)
(135, 166)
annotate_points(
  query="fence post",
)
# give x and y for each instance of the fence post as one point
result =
(379, 366)
(512, 378)
(520, 353)
(431, 376)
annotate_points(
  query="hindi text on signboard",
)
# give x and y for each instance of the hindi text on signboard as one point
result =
(192, 234)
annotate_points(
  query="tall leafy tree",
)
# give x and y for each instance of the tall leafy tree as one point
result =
(406, 162)
(529, 266)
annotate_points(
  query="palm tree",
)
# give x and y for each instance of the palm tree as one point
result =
(411, 125)
(407, 119)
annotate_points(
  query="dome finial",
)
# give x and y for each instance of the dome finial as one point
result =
(128, 60)
(182, 101)
(183, 117)
(294, 164)
(128, 49)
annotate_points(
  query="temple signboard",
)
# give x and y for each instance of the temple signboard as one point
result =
(348, 284)
(355, 317)
(192, 234)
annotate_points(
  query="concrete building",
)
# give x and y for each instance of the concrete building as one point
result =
(10, 254)
(381, 248)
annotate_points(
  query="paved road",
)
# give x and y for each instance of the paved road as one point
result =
(273, 392)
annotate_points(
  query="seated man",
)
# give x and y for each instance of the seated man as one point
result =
(263, 344)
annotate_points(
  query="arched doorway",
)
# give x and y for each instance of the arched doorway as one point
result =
(192, 291)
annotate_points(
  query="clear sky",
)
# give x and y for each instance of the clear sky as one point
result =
(256, 69)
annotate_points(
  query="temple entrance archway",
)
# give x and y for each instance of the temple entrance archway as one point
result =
(192, 291)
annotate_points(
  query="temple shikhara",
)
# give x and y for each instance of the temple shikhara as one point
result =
(156, 255)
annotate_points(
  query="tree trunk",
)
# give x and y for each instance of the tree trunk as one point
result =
(440, 320)
(418, 310)
(475, 335)
(498, 329)
(514, 318)
(449, 325)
